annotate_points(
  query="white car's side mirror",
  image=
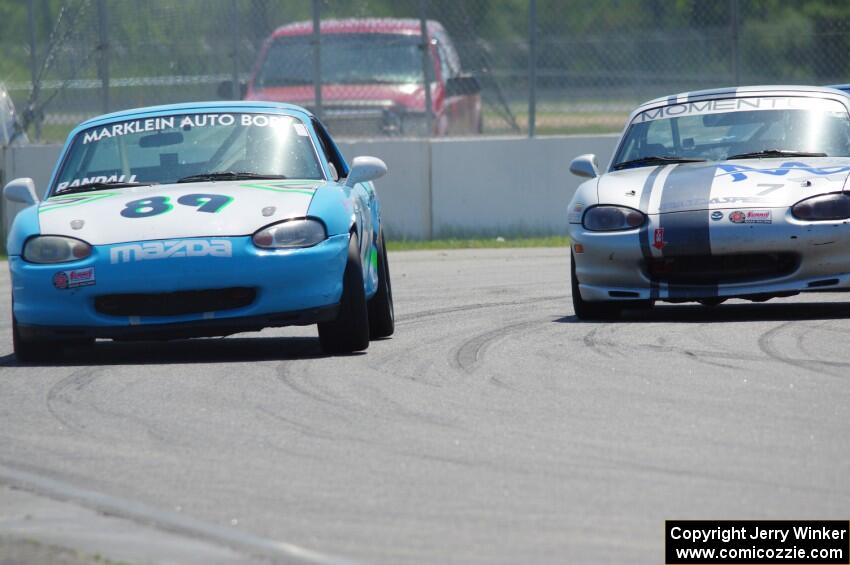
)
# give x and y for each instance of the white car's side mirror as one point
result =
(21, 190)
(365, 169)
(585, 166)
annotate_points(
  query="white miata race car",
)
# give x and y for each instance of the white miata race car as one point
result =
(716, 194)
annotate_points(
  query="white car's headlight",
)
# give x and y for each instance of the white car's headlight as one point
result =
(825, 207)
(291, 233)
(55, 249)
(612, 218)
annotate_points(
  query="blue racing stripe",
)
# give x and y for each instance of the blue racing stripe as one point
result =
(687, 233)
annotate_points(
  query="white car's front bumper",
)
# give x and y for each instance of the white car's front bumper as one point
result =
(696, 257)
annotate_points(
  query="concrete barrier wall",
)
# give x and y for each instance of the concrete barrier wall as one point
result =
(435, 188)
(405, 192)
(507, 186)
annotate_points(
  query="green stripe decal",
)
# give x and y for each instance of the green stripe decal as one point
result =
(374, 258)
(282, 187)
(55, 202)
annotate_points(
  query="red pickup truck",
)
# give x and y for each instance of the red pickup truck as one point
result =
(372, 77)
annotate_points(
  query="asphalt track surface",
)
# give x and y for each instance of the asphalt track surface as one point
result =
(493, 427)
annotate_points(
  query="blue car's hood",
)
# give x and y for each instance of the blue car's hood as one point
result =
(191, 210)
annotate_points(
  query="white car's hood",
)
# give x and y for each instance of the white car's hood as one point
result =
(750, 183)
(104, 217)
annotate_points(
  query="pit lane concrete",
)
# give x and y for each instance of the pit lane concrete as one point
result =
(493, 427)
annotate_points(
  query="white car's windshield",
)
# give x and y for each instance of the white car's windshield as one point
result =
(737, 128)
(187, 148)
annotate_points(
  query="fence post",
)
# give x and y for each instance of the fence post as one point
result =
(532, 67)
(103, 53)
(235, 90)
(317, 58)
(33, 69)
(427, 69)
(736, 53)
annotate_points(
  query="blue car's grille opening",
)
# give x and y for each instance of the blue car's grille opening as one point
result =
(698, 270)
(175, 303)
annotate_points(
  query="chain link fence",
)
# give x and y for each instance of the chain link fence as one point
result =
(496, 67)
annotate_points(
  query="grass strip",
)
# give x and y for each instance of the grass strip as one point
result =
(477, 243)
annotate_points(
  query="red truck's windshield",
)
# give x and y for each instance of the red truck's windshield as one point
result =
(356, 58)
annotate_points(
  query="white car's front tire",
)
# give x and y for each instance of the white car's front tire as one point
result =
(590, 310)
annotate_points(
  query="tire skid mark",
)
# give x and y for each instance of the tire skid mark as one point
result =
(369, 410)
(595, 344)
(284, 375)
(417, 316)
(383, 362)
(304, 429)
(471, 352)
(801, 336)
(604, 346)
(63, 403)
(406, 352)
(699, 354)
(58, 397)
(767, 344)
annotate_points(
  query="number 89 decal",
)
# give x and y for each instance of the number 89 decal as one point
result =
(156, 205)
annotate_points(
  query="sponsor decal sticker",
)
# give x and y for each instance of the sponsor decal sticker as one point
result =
(87, 180)
(751, 217)
(743, 104)
(73, 279)
(60, 280)
(701, 202)
(190, 121)
(717, 215)
(169, 249)
(658, 239)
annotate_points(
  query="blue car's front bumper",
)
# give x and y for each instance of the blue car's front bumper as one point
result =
(286, 287)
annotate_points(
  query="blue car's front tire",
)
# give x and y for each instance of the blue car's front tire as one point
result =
(350, 331)
(25, 349)
(381, 311)
(30, 349)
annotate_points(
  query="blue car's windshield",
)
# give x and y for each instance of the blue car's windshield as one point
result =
(714, 130)
(166, 149)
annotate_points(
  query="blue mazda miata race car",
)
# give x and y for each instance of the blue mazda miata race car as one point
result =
(199, 220)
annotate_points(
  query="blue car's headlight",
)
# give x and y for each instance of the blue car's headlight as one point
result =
(291, 233)
(55, 249)
(612, 218)
(825, 207)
